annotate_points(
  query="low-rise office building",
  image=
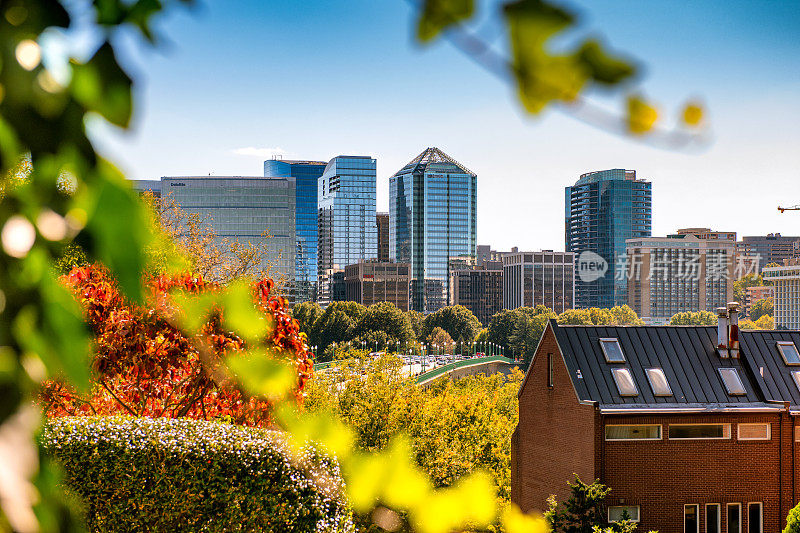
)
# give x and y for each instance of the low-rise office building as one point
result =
(479, 290)
(370, 282)
(534, 278)
(786, 280)
(678, 273)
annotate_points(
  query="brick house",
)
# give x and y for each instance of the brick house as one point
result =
(692, 431)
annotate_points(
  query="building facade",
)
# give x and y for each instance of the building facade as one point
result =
(603, 210)
(255, 210)
(539, 278)
(708, 234)
(668, 275)
(755, 294)
(786, 280)
(305, 174)
(151, 186)
(371, 282)
(382, 220)
(688, 438)
(347, 228)
(478, 289)
(432, 217)
(770, 248)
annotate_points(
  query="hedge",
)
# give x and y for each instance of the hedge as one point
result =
(142, 474)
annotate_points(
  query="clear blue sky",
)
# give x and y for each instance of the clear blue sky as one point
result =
(321, 78)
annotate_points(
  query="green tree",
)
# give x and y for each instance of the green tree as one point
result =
(335, 325)
(583, 510)
(762, 307)
(623, 315)
(456, 320)
(306, 314)
(527, 333)
(793, 520)
(575, 317)
(693, 318)
(385, 318)
(765, 322)
(417, 321)
(740, 286)
(441, 340)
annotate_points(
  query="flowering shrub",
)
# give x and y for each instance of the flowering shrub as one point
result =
(147, 362)
(141, 474)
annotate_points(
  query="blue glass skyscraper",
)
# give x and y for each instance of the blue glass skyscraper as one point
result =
(432, 218)
(305, 174)
(603, 209)
(347, 228)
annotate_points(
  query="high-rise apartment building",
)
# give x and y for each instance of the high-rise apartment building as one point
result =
(603, 210)
(305, 174)
(371, 282)
(432, 217)
(539, 278)
(347, 228)
(253, 210)
(669, 275)
(770, 248)
(383, 236)
(786, 279)
(478, 289)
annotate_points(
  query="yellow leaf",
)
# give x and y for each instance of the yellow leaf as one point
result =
(515, 521)
(263, 375)
(641, 115)
(693, 114)
(240, 313)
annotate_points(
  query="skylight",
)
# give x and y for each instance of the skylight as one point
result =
(789, 352)
(796, 376)
(732, 381)
(658, 382)
(624, 381)
(612, 350)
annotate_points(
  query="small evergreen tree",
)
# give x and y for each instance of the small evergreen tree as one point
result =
(584, 511)
(793, 521)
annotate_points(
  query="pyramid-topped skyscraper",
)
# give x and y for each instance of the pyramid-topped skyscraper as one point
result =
(432, 218)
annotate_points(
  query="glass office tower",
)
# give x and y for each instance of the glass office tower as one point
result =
(305, 174)
(432, 218)
(347, 228)
(603, 210)
(242, 209)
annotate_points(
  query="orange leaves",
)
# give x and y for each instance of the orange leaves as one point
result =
(147, 358)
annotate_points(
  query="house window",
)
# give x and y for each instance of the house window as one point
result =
(550, 370)
(755, 518)
(633, 432)
(732, 381)
(624, 381)
(789, 352)
(691, 518)
(699, 431)
(797, 433)
(734, 518)
(612, 350)
(619, 512)
(713, 518)
(754, 431)
(658, 382)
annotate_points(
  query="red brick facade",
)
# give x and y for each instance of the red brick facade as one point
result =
(558, 435)
(555, 434)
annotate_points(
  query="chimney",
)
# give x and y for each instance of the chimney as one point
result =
(733, 329)
(722, 332)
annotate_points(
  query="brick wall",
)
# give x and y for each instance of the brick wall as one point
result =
(555, 434)
(662, 476)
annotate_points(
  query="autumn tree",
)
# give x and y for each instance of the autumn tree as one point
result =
(155, 360)
(762, 307)
(740, 286)
(458, 321)
(439, 341)
(693, 318)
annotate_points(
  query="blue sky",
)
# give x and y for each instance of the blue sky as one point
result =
(319, 78)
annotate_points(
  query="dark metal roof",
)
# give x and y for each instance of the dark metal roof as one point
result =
(761, 351)
(686, 354)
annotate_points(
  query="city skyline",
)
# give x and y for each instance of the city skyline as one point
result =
(743, 65)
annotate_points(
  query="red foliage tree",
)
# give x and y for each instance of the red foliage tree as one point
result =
(144, 364)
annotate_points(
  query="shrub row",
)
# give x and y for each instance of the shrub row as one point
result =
(141, 474)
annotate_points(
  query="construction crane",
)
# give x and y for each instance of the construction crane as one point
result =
(792, 208)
